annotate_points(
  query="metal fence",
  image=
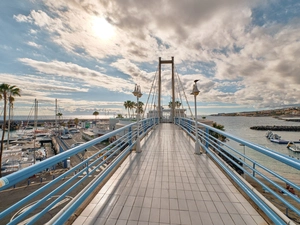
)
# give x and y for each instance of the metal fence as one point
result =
(238, 166)
(69, 190)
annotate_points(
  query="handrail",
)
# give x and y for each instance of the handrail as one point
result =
(219, 150)
(73, 177)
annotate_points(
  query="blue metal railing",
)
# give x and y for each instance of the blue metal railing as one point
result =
(83, 173)
(237, 165)
(225, 154)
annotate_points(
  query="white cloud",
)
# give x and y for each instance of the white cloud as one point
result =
(81, 74)
(255, 60)
(34, 44)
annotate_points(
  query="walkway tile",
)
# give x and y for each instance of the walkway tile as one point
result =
(168, 184)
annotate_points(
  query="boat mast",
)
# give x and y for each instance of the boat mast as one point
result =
(56, 115)
(35, 126)
(8, 128)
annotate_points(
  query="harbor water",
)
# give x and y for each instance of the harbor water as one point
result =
(239, 126)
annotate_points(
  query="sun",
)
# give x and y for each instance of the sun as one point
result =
(102, 28)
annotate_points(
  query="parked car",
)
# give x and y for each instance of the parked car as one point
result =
(74, 130)
(66, 136)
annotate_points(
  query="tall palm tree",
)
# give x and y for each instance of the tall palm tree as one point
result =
(127, 106)
(132, 106)
(59, 115)
(6, 92)
(96, 113)
(139, 107)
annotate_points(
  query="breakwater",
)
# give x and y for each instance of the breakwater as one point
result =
(276, 128)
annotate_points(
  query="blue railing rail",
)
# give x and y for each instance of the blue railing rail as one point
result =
(85, 173)
(237, 165)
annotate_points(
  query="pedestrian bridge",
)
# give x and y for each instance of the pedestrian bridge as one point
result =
(166, 183)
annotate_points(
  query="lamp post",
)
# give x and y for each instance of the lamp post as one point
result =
(195, 92)
(137, 92)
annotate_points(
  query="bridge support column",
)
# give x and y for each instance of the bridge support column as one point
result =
(172, 116)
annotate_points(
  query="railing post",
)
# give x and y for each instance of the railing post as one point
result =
(130, 135)
(253, 174)
(206, 137)
(87, 168)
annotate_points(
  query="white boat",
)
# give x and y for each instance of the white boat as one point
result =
(293, 147)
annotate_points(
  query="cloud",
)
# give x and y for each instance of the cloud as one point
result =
(34, 44)
(81, 74)
(219, 42)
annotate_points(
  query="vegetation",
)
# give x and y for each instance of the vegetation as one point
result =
(129, 105)
(119, 116)
(76, 121)
(177, 104)
(59, 115)
(7, 93)
(217, 135)
(139, 107)
(96, 113)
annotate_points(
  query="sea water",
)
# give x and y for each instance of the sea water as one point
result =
(239, 126)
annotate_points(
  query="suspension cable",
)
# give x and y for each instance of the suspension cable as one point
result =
(150, 92)
(184, 93)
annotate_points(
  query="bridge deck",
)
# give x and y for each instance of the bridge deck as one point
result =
(168, 184)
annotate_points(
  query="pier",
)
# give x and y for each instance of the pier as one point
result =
(162, 169)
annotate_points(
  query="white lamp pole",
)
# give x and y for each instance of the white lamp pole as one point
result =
(195, 92)
(137, 92)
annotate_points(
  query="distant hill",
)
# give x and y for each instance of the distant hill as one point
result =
(286, 112)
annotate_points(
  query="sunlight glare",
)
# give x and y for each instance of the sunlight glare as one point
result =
(102, 28)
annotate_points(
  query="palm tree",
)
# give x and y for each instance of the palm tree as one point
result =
(76, 121)
(139, 107)
(6, 92)
(95, 114)
(127, 106)
(177, 104)
(132, 106)
(59, 115)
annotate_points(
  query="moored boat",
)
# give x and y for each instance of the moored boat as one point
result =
(293, 147)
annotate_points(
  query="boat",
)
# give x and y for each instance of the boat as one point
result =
(275, 138)
(293, 147)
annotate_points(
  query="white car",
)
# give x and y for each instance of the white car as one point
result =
(66, 136)
(74, 130)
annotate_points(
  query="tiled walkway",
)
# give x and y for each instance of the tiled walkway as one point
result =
(168, 184)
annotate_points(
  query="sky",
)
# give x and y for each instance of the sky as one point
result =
(89, 54)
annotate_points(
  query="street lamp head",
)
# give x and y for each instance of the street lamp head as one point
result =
(196, 81)
(137, 91)
(195, 90)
